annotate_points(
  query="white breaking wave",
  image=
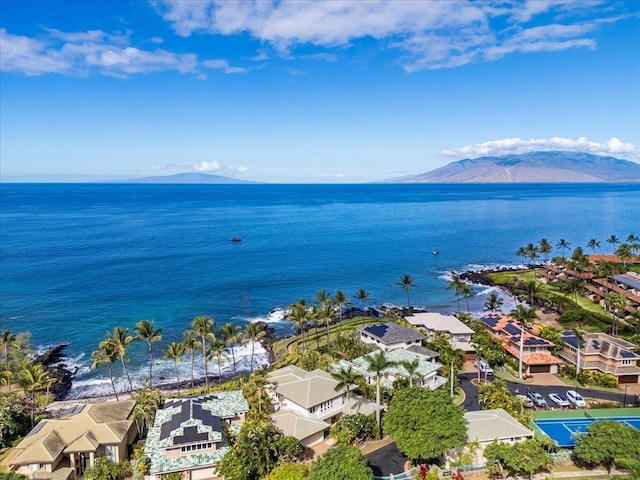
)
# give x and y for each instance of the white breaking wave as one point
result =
(87, 384)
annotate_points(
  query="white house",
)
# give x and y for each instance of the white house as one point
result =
(307, 403)
(389, 336)
(459, 333)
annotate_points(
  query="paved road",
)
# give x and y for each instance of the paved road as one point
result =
(386, 460)
(471, 391)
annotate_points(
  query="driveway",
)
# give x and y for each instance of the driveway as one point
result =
(557, 386)
(386, 460)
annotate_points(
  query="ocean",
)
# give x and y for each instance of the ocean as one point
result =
(77, 260)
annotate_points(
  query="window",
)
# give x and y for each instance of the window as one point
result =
(626, 362)
(324, 406)
(110, 452)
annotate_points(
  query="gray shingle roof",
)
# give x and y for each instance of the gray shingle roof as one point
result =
(390, 333)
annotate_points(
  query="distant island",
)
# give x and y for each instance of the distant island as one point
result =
(187, 178)
(534, 167)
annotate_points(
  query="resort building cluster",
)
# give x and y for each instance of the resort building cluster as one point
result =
(191, 434)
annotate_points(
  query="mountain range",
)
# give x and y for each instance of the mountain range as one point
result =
(534, 167)
(187, 178)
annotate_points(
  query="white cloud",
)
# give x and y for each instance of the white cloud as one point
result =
(613, 146)
(429, 34)
(78, 53)
(223, 65)
(204, 167)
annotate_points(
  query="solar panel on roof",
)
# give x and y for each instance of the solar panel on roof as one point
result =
(37, 428)
(627, 281)
(190, 435)
(176, 420)
(596, 344)
(511, 329)
(627, 354)
(490, 320)
(378, 330)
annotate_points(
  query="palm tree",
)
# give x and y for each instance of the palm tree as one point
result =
(191, 344)
(203, 328)
(254, 332)
(613, 240)
(105, 355)
(545, 248)
(564, 245)
(120, 340)
(231, 336)
(363, 296)
(466, 291)
(340, 300)
(174, 352)
(532, 252)
(522, 315)
(453, 357)
(6, 340)
(615, 301)
(456, 284)
(411, 366)
(406, 282)
(521, 252)
(624, 253)
(575, 287)
(593, 244)
(34, 377)
(217, 349)
(299, 314)
(148, 333)
(326, 314)
(346, 377)
(378, 363)
(531, 288)
(493, 302)
(579, 341)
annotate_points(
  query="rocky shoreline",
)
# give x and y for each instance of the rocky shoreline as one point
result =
(53, 360)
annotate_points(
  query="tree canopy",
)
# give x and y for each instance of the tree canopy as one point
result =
(520, 458)
(423, 423)
(606, 441)
(496, 394)
(343, 462)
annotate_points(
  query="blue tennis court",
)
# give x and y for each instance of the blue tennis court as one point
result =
(564, 430)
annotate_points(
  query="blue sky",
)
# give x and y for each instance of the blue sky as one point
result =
(333, 91)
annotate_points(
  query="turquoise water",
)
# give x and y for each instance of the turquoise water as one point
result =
(78, 259)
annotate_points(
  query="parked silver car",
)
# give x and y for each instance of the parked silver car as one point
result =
(537, 399)
(559, 400)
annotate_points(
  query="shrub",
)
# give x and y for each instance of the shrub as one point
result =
(353, 429)
(597, 379)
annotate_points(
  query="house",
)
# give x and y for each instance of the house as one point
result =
(63, 448)
(536, 351)
(425, 375)
(389, 336)
(487, 426)
(459, 333)
(189, 435)
(604, 353)
(307, 403)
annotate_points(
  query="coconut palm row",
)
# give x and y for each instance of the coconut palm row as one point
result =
(626, 250)
(200, 338)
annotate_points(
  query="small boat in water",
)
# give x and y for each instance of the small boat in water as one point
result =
(436, 251)
(236, 239)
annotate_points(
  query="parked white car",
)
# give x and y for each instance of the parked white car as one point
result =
(484, 367)
(559, 400)
(575, 398)
(528, 403)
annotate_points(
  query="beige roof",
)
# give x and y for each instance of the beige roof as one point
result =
(359, 405)
(59, 474)
(289, 423)
(311, 389)
(81, 430)
(495, 424)
(438, 322)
